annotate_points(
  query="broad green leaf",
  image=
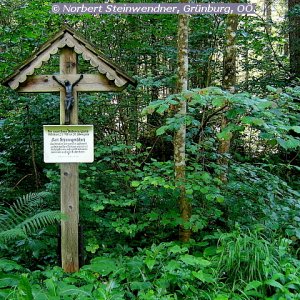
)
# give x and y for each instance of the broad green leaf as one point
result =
(218, 101)
(173, 102)
(206, 176)
(172, 265)
(204, 277)
(92, 248)
(253, 285)
(103, 266)
(252, 121)
(51, 286)
(161, 130)
(135, 183)
(198, 99)
(8, 280)
(282, 143)
(266, 104)
(71, 290)
(274, 283)
(296, 128)
(290, 143)
(150, 263)
(178, 249)
(153, 216)
(204, 190)
(210, 251)
(194, 261)
(257, 295)
(162, 108)
(210, 197)
(220, 199)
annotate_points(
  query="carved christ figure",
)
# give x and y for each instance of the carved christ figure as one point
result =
(69, 102)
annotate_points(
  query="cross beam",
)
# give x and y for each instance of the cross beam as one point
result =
(89, 83)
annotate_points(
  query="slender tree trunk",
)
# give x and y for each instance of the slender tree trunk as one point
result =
(154, 119)
(32, 148)
(180, 135)
(247, 68)
(286, 48)
(228, 82)
(229, 59)
(294, 38)
(268, 14)
(268, 17)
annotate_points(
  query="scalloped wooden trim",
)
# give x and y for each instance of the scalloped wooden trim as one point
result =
(70, 41)
(103, 68)
(37, 63)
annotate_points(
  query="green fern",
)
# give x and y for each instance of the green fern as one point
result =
(25, 216)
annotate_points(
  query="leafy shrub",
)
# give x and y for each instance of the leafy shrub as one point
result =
(256, 196)
(169, 271)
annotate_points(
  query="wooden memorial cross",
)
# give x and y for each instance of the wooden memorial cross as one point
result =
(110, 78)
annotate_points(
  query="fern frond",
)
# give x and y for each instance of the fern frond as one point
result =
(39, 220)
(25, 216)
(12, 234)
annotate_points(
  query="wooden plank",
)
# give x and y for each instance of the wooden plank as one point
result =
(69, 178)
(89, 83)
(70, 208)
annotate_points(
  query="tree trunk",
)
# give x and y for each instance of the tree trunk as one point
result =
(294, 38)
(229, 59)
(180, 135)
(247, 67)
(32, 149)
(228, 82)
(268, 14)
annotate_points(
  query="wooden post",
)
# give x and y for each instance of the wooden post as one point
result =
(69, 177)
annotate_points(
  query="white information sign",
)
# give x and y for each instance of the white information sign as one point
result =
(68, 143)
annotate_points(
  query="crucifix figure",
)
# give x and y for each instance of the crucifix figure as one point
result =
(69, 102)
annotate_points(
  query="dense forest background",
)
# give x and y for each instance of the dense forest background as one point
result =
(228, 226)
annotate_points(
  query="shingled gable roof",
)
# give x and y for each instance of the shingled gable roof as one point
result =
(67, 37)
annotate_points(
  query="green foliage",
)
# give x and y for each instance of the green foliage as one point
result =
(196, 270)
(256, 196)
(272, 119)
(258, 267)
(117, 205)
(246, 257)
(128, 196)
(21, 143)
(24, 217)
